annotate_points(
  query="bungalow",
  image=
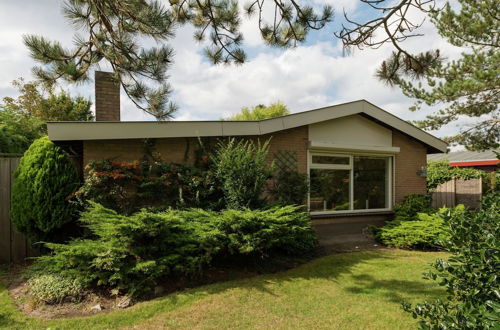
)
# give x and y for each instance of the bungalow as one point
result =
(361, 160)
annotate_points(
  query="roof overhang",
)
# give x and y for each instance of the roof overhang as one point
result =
(70, 131)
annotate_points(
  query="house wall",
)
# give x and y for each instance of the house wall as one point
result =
(181, 150)
(408, 161)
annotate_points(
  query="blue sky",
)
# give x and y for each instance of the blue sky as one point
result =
(314, 74)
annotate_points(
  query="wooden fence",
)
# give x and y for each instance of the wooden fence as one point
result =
(458, 191)
(13, 246)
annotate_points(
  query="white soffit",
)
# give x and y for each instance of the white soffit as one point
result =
(71, 131)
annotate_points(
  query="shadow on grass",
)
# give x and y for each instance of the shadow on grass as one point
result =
(330, 268)
(395, 291)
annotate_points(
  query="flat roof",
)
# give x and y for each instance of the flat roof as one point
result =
(103, 130)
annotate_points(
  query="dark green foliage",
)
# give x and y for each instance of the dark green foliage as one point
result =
(129, 186)
(411, 205)
(11, 141)
(23, 119)
(440, 172)
(17, 131)
(45, 181)
(470, 275)
(133, 253)
(242, 169)
(289, 187)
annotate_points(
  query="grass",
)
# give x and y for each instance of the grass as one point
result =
(361, 290)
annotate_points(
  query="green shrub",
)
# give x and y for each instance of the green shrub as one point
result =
(262, 232)
(44, 184)
(242, 170)
(50, 288)
(411, 205)
(289, 187)
(426, 232)
(132, 253)
(470, 275)
(440, 172)
(126, 187)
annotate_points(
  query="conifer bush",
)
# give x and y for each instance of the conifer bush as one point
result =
(45, 181)
(135, 253)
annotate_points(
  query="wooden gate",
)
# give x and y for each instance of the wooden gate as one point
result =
(13, 246)
(458, 191)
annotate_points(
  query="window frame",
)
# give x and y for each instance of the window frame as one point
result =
(350, 167)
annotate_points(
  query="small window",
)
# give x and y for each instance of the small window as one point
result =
(333, 160)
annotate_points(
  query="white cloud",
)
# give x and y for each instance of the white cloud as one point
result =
(306, 77)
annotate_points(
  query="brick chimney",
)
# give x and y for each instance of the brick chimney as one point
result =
(107, 97)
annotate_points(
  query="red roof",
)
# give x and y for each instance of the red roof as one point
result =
(475, 163)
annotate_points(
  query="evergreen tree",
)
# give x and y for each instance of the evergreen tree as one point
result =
(23, 119)
(260, 112)
(113, 31)
(44, 183)
(468, 87)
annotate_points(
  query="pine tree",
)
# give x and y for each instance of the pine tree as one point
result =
(468, 87)
(113, 31)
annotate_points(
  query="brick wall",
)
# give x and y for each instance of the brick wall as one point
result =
(181, 150)
(107, 97)
(175, 150)
(295, 139)
(408, 162)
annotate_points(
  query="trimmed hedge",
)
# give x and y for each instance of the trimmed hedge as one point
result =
(45, 181)
(133, 253)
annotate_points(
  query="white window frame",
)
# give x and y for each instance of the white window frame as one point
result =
(350, 167)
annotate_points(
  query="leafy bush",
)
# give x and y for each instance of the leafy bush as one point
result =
(411, 205)
(127, 187)
(426, 232)
(440, 172)
(44, 184)
(470, 275)
(289, 187)
(133, 253)
(50, 288)
(242, 170)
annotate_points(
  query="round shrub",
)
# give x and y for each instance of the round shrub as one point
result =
(44, 183)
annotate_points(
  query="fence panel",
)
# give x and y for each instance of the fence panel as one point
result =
(5, 184)
(458, 191)
(13, 245)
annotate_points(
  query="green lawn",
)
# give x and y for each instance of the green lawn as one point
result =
(361, 290)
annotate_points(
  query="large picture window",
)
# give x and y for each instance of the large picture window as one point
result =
(349, 182)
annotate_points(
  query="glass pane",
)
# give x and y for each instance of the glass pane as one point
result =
(370, 183)
(316, 159)
(329, 190)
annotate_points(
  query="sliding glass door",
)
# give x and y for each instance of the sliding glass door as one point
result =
(349, 182)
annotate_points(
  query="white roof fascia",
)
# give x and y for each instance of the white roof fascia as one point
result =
(67, 131)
